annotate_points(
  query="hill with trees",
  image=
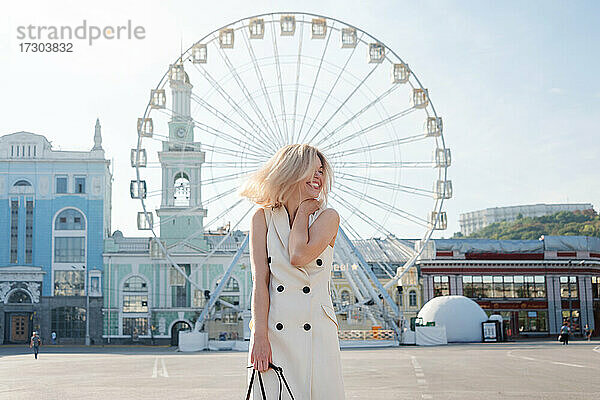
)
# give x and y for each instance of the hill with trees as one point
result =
(576, 223)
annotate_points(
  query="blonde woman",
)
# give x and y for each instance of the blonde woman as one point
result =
(293, 324)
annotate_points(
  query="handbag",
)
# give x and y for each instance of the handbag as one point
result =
(278, 372)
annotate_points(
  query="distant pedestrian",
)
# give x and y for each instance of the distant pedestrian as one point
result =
(565, 331)
(35, 342)
(588, 332)
(53, 336)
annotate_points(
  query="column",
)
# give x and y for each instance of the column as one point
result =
(586, 302)
(427, 288)
(456, 287)
(554, 304)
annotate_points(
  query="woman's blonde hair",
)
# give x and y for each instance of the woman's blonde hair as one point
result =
(279, 177)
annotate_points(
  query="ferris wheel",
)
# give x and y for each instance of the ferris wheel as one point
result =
(231, 100)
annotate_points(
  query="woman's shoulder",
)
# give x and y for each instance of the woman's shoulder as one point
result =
(325, 213)
(331, 212)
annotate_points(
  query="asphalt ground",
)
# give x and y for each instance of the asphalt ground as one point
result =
(522, 370)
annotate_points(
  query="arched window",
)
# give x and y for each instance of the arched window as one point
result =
(22, 182)
(135, 300)
(182, 190)
(231, 286)
(69, 219)
(135, 295)
(135, 284)
(412, 298)
(399, 298)
(68, 322)
(19, 297)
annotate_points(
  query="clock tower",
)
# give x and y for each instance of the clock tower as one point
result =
(181, 213)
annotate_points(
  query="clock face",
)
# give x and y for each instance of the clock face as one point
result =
(181, 132)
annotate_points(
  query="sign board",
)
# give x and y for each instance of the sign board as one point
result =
(490, 331)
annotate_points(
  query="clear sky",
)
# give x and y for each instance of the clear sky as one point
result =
(516, 83)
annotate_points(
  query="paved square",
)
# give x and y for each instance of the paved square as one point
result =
(524, 370)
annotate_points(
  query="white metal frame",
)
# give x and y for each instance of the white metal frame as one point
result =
(264, 108)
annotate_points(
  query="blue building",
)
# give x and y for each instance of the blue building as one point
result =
(54, 215)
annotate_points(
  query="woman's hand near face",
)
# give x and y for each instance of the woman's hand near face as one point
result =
(260, 354)
(309, 206)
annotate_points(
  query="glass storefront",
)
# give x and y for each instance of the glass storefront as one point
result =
(572, 317)
(441, 286)
(568, 287)
(533, 321)
(517, 286)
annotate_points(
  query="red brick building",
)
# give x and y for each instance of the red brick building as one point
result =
(534, 284)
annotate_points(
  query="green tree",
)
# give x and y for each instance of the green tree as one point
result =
(577, 223)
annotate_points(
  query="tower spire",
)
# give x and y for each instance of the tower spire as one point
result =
(97, 136)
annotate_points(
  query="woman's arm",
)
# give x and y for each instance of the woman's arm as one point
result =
(261, 350)
(306, 244)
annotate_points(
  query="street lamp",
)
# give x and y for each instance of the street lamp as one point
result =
(87, 306)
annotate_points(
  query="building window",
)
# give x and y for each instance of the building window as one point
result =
(135, 304)
(182, 190)
(412, 298)
(504, 286)
(539, 286)
(572, 317)
(468, 286)
(19, 297)
(533, 321)
(231, 295)
(79, 185)
(135, 284)
(14, 230)
(69, 220)
(135, 326)
(135, 295)
(596, 287)
(175, 277)
(68, 322)
(568, 287)
(200, 298)
(441, 286)
(69, 283)
(69, 249)
(179, 288)
(29, 231)
(61, 184)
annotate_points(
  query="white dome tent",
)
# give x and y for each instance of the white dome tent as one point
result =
(461, 317)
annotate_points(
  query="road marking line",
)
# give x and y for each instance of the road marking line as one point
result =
(427, 396)
(510, 354)
(597, 349)
(155, 370)
(568, 365)
(421, 381)
(420, 375)
(164, 368)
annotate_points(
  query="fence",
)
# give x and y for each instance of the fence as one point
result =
(379, 334)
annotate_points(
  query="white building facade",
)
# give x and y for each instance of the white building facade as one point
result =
(475, 220)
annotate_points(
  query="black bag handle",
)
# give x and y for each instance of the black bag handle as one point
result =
(280, 377)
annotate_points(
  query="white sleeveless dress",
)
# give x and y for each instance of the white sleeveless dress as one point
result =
(302, 325)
